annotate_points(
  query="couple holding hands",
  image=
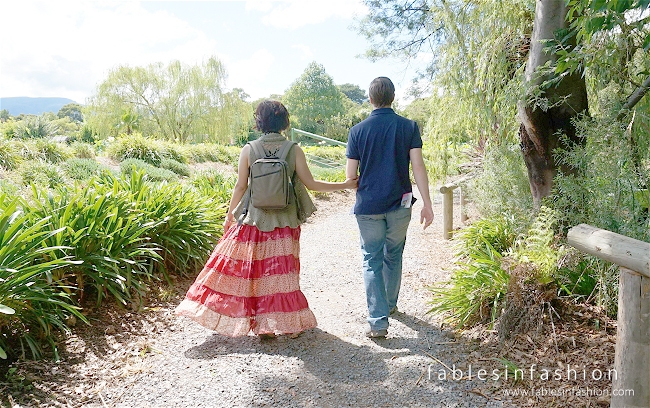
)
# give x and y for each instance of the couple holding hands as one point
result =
(250, 283)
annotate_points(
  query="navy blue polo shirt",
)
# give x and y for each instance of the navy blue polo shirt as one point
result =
(382, 143)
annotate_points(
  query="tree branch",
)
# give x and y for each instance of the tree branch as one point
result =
(635, 98)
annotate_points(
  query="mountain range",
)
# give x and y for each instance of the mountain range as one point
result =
(32, 106)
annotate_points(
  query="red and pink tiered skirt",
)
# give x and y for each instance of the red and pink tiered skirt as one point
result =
(251, 283)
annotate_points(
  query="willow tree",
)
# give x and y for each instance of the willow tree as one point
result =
(176, 102)
(476, 49)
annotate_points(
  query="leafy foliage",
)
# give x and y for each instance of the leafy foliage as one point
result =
(135, 146)
(9, 155)
(128, 166)
(313, 99)
(41, 173)
(82, 150)
(178, 102)
(81, 169)
(501, 186)
(31, 306)
(34, 127)
(177, 167)
(478, 284)
(214, 184)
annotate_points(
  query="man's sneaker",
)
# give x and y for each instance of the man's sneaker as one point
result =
(376, 333)
(393, 310)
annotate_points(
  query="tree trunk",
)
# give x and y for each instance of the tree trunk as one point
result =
(542, 126)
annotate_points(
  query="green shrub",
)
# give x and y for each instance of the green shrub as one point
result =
(8, 187)
(135, 146)
(179, 168)
(186, 224)
(128, 166)
(476, 289)
(539, 247)
(82, 150)
(101, 228)
(328, 174)
(38, 172)
(81, 169)
(479, 282)
(30, 306)
(204, 152)
(333, 153)
(175, 152)
(34, 127)
(214, 184)
(9, 155)
(45, 150)
(502, 185)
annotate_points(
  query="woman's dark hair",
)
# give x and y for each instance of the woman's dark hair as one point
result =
(271, 116)
(382, 92)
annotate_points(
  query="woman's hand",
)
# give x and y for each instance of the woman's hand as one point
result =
(230, 218)
(352, 182)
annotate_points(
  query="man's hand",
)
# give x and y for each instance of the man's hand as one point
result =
(426, 216)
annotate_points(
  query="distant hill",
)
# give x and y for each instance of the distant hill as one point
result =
(32, 106)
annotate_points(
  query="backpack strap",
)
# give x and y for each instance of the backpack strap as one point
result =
(258, 150)
(284, 150)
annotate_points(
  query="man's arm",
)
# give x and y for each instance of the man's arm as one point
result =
(352, 168)
(422, 181)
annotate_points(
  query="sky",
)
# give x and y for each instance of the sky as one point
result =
(66, 48)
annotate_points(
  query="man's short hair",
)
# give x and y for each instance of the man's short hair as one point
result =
(382, 92)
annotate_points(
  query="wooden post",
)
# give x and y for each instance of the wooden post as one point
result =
(447, 209)
(631, 382)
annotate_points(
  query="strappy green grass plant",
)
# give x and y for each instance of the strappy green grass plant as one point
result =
(154, 173)
(135, 146)
(31, 305)
(185, 223)
(9, 155)
(104, 230)
(479, 282)
(214, 184)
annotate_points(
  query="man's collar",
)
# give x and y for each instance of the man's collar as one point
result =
(381, 111)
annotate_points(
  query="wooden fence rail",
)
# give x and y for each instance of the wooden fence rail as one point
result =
(631, 384)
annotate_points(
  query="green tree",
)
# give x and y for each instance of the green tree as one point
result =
(313, 99)
(4, 115)
(176, 102)
(354, 92)
(71, 110)
(478, 50)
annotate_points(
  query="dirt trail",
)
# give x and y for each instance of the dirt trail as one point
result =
(173, 362)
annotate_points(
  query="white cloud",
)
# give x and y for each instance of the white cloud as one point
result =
(306, 51)
(67, 48)
(298, 13)
(251, 73)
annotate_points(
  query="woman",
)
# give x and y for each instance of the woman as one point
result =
(251, 281)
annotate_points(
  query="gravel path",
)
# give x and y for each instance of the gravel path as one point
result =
(333, 365)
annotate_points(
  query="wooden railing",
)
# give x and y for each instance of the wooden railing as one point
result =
(631, 385)
(448, 205)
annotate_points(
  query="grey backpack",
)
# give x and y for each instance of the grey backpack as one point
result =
(269, 180)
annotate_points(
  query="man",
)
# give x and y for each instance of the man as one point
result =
(380, 149)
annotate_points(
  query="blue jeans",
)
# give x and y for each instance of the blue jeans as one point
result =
(382, 243)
